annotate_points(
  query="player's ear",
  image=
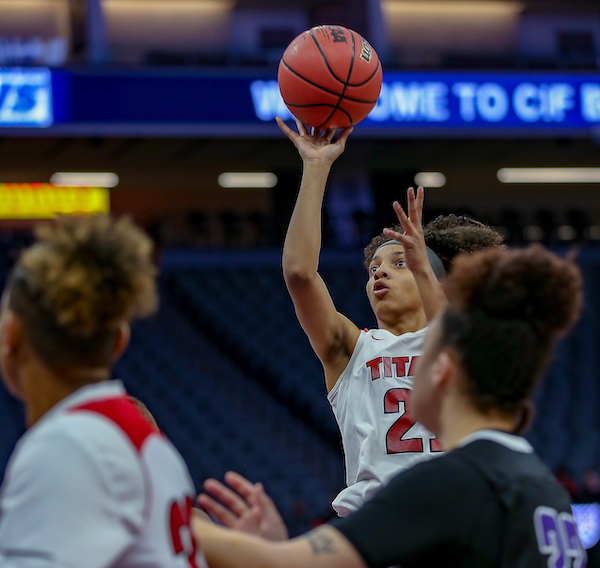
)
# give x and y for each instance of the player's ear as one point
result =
(443, 369)
(121, 340)
(11, 340)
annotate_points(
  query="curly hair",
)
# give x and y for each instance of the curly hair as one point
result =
(447, 236)
(507, 309)
(74, 287)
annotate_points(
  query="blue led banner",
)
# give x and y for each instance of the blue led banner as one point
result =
(498, 101)
(161, 102)
(25, 97)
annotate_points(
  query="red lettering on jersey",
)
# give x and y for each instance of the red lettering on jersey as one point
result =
(387, 367)
(373, 364)
(181, 517)
(400, 363)
(413, 365)
(434, 445)
(125, 414)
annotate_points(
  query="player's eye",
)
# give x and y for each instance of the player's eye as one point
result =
(400, 262)
(373, 269)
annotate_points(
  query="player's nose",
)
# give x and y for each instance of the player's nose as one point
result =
(381, 272)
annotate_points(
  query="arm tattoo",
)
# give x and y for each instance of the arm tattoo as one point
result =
(320, 542)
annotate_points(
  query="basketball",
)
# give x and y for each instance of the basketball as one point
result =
(330, 77)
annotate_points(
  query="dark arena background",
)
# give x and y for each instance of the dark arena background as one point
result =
(164, 111)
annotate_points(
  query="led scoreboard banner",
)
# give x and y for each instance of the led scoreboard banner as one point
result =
(244, 103)
(45, 201)
(474, 100)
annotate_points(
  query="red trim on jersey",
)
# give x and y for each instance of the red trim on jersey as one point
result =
(125, 414)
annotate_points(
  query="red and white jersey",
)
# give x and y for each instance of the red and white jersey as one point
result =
(370, 404)
(93, 485)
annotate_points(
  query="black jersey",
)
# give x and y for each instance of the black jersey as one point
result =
(490, 503)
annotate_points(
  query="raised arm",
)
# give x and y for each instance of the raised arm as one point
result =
(332, 335)
(432, 296)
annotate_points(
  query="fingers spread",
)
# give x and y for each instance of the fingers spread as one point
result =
(394, 235)
(401, 216)
(228, 497)
(239, 483)
(344, 136)
(419, 204)
(301, 127)
(286, 129)
(412, 209)
(214, 508)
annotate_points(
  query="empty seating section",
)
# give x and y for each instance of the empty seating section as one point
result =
(249, 313)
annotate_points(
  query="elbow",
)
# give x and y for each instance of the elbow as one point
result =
(297, 279)
(297, 273)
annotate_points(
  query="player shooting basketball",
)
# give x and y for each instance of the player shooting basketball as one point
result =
(368, 374)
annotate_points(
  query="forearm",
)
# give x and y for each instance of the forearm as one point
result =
(224, 548)
(324, 547)
(303, 240)
(432, 296)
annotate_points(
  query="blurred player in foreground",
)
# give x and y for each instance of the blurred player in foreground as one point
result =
(91, 484)
(369, 373)
(489, 502)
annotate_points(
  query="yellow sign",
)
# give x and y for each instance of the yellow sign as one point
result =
(44, 200)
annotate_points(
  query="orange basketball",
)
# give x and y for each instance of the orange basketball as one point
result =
(330, 77)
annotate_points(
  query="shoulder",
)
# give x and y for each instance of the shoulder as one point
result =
(71, 463)
(122, 414)
(84, 474)
(80, 449)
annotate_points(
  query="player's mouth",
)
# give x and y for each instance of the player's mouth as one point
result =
(380, 289)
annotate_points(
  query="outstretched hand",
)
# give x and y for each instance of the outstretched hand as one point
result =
(318, 146)
(245, 507)
(413, 239)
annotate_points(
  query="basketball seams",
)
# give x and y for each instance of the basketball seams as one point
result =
(287, 66)
(324, 56)
(368, 78)
(337, 106)
(341, 109)
(292, 70)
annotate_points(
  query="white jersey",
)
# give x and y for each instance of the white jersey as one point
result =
(93, 485)
(370, 404)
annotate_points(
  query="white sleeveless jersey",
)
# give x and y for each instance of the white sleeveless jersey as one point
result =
(370, 404)
(93, 485)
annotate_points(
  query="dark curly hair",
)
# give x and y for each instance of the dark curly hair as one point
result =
(448, 236)
(507, 309)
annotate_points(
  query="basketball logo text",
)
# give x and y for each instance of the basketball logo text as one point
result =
(338, 34)
(366, 51)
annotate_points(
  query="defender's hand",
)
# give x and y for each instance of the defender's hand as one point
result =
(316, 147)
(248, 508)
